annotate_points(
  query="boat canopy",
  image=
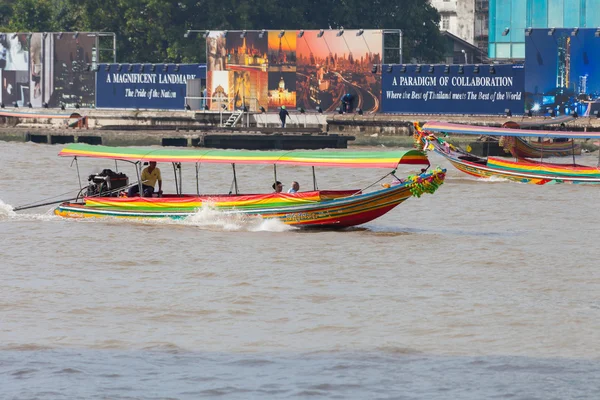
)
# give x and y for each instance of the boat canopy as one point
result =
(350, 159)
(39, 115)
(445, 127)
(530, 124)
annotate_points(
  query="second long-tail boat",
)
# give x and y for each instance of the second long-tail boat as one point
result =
(522, 170)
(521, 148)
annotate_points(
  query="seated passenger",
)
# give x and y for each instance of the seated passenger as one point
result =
(150, 175)
(295, 187)
(277, 187)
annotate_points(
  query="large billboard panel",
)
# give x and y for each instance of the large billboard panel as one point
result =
(40, 68)
(452, 89)
(307, 69)
(146, 86)
(72, 82)
(331, 65)
(14, 69)
(562, 71)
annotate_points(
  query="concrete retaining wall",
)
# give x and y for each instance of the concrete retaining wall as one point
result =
(132, 127)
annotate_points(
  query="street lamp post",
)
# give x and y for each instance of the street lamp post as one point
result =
(465, 54)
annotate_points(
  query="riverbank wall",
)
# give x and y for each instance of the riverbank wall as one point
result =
(254, 130)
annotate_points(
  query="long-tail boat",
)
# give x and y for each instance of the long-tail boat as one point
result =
(520, 148)
(522, 170)
(313, 208)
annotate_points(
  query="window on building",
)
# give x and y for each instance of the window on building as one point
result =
(445, 22)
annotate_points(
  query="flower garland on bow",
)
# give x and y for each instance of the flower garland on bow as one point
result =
(426, 184)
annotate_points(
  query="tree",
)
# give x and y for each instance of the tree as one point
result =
(30, 16)
(152, 30)
(6, 10)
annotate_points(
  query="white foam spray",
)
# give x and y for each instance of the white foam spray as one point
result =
(210, 218)
(493, 178)
(6, 210)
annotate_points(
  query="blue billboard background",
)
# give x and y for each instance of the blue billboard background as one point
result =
(454, 89)
(562, 71)
(145, 86)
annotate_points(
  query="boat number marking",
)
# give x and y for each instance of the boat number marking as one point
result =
(306, 216)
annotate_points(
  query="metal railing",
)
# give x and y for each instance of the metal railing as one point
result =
(226, 104)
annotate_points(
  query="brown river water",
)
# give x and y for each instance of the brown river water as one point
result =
(484, 290)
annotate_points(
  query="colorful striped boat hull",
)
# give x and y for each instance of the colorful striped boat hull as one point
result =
(305, 209)
(523, 171)
(523, 149)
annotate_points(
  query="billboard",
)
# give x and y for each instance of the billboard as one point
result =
(452, 89)
(562, 71)
(40, 68)
(71, 82)
(331, 66)
(307, 69)
(146, 86)
(14, 69)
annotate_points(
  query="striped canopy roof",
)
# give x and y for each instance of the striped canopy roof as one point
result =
(351, 159)
(486, 130)
(39, 115)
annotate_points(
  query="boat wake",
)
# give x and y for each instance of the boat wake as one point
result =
(6, 210)
(473, 180)
(210, 218)
(493, 179)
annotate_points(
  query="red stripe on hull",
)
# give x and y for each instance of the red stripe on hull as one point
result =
(351, 220)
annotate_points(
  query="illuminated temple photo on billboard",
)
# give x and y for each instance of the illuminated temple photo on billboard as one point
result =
(247, 50)
(217, 83)
(282, 89)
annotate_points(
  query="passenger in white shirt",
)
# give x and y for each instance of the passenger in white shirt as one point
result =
(295, 187)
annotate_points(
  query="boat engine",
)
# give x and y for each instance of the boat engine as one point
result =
(106, 183)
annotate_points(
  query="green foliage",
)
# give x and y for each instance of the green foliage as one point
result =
(6, 9)
(152, 30)
(25, 14)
